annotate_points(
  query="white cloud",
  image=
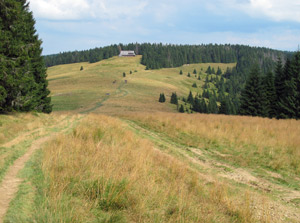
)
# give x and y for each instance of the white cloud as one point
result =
(277, 10)
(81, 9)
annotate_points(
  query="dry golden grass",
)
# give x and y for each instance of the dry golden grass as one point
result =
(13, 125)
(250, 141)
(102, 172)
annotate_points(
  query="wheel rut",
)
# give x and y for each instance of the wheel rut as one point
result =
(11, 181)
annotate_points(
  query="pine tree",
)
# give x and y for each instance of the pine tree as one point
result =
(130, 72)
(189, 75)
(174, 99)
(270, 94)
(180, 72)
(23, 74)
(162, 98)
(251, 94)
(124, 74)
(224, 107)
(287, 105)
(279, 84)
(194, 85)
(195, 71)
(199, 78)
(81, 68)
(296, 72)
(213, 71)
(219, 71)
(181, 109)
(208, 71)
(190, 98)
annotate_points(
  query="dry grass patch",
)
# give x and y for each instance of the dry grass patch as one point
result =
(250, 141)
(102, 172)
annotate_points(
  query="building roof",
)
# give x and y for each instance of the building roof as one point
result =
(127, 53)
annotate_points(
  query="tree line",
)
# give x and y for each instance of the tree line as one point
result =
(273, 95)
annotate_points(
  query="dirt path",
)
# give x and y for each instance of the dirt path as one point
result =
(212, 170)
(11, 181)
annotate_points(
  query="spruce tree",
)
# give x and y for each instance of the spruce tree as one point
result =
(180, 72)
(287, 105)
(270, 94)
(190, 98)
(251, 94)
(195, 71)
(174, 99)
(279, 84)
(181, 109)
(219, 71)
(213, 71)
(296, 72)
(208, 71)
(22, 73)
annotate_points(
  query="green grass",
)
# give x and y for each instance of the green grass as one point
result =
(86, 91)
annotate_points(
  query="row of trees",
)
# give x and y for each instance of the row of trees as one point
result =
(273, 96)
(23, 84)
(92, 56)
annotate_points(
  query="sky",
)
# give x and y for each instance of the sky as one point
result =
(68, 25)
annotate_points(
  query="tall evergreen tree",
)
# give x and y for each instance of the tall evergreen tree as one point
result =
(190, 98)
(22, 73)
(268, 87)
(251, 94)
(174, 99)
(296, 72)
(287, 105)
(181, 109)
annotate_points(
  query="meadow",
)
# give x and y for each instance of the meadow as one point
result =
(113, 153)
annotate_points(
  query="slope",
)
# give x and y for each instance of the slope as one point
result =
(101, 88)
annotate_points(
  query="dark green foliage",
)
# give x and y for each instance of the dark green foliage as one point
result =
(195, 71)
(124, 74)
(296, 74)
(208, 71)
(269, 93)
(180, 72)
(162, 98)
(252, 94)
(199, 78)
(92, 56)
(181, 109)
(189, 75)
(194, 85)
(81, 68)
(174, 99)
(23, 84)
(213, 71)
(212, 106)
(190, 98)
(219, 71)
(286, 104)
(130, 72)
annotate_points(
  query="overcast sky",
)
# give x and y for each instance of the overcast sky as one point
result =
(67, 25)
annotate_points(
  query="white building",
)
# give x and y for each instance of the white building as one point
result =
(127, 54)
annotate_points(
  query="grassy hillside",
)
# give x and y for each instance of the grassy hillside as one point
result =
(93, 90)
(138, 160)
